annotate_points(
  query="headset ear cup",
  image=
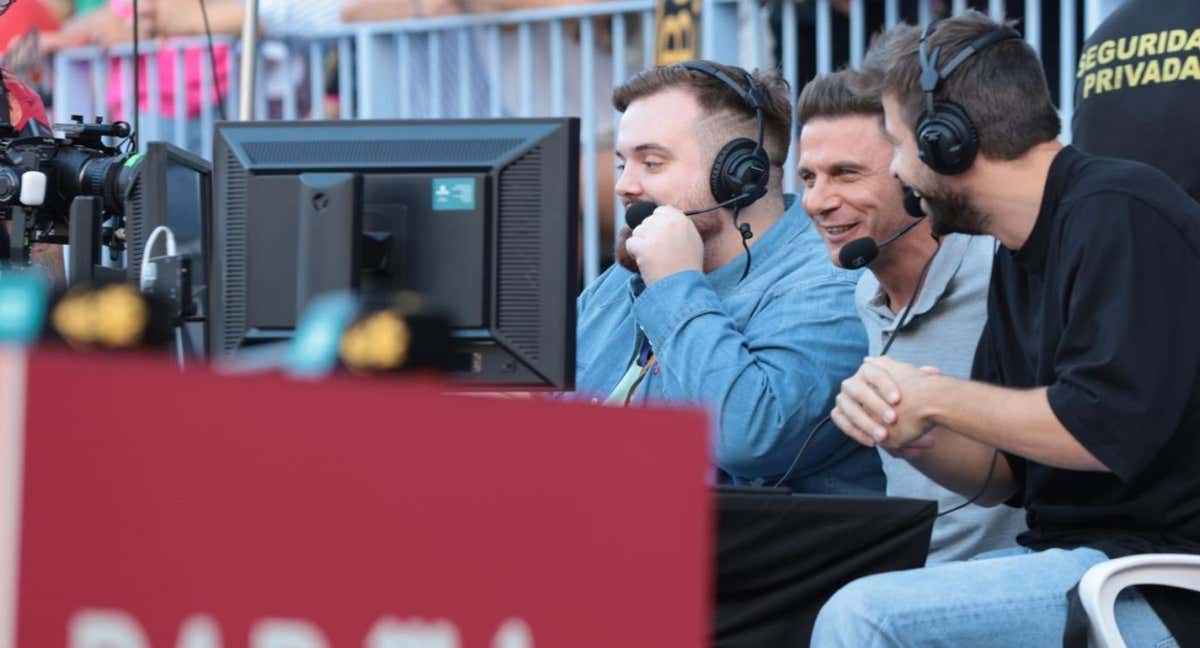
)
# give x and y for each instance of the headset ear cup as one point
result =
(721, 190)
(738, 170)
(947, 141)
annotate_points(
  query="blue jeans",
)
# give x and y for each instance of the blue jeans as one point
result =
(1010, 597)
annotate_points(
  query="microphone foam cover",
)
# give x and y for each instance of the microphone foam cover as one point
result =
(638, 212)
(858, 253)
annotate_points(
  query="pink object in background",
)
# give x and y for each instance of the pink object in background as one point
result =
(194, 61)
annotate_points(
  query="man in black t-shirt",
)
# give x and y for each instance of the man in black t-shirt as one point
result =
(1084, 406)
(1137, 89)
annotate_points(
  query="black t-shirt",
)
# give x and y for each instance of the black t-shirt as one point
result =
(1101, 305)
(1137, 91)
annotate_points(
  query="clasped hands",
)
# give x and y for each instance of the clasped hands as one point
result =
(885, 404)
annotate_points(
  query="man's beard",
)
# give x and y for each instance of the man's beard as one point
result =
(708, 225)
(623, 256)
(952, 213)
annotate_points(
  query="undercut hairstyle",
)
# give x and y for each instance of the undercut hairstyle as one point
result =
(1002, 87)
(729, 116)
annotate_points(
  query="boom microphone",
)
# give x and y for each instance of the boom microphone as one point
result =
(858, 253)
(862, 251)
(638, 212)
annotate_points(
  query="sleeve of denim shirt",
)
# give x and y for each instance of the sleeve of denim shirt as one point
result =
(765, 386)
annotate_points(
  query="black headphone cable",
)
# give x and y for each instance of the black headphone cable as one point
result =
(886, 347)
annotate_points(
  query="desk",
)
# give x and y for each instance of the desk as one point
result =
(780, 557)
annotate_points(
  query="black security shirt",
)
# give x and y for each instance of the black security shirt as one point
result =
(1101, 305)
(1137, 88)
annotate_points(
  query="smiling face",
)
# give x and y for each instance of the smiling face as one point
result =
(662, 159)
(949, 207)
(850, 191)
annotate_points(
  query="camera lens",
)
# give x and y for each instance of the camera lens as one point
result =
(10, 184)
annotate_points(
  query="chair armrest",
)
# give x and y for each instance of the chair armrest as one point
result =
(1099, 587)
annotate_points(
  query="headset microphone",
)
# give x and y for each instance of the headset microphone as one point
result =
(947, 140)
(742, 168)
(862, 251)
(858, 253)
(639, 212)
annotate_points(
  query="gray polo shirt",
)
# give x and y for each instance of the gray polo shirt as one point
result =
(942, 332)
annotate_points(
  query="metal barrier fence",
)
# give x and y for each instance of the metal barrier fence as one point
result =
(543, 62)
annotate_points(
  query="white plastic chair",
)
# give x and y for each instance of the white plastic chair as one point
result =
(1100, 585)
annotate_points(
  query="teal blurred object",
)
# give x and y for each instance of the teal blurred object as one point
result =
(23, 298)
(314, 348)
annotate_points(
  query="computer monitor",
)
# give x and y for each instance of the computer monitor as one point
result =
(173, 188)
(477, 216)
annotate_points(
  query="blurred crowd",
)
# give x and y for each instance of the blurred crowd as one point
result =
(33, 30)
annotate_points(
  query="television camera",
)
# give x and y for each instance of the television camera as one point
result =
(49, 183)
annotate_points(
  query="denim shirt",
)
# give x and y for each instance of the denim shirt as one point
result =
(765, 356)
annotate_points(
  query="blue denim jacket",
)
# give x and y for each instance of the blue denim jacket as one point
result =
(765, 356)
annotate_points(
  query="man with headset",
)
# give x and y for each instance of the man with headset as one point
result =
(920, 302)
(1084, 408)
(723, 297)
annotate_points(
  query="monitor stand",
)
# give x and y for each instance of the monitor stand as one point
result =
(83, 232)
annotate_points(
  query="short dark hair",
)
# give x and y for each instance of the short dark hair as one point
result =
(715, 97)
(837, 94)
(1002, 87)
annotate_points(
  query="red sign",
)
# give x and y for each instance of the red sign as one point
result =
(12, 396)
(189, 510)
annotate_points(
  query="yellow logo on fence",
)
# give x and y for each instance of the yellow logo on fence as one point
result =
(678, 26)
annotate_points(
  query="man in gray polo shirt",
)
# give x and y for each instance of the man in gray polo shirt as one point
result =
(850, 193)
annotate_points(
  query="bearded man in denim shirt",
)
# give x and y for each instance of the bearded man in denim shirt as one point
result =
(760, 331)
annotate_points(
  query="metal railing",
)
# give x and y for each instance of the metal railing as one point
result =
(544, 62)
(83, 85)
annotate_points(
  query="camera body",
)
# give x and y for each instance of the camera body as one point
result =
(40, 177)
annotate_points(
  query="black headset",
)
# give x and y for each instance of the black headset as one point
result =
(742, 168)
(947, 141)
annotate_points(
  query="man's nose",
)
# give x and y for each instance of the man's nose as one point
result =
(628, 184)
(820, 197)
